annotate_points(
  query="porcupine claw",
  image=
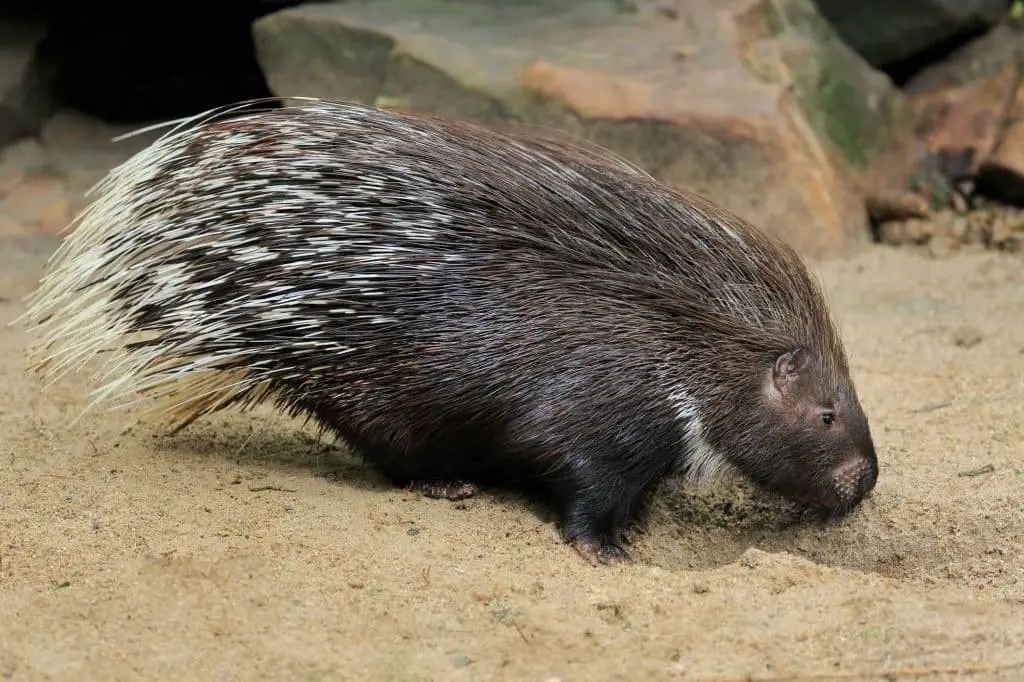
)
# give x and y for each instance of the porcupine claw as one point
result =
(599, 552)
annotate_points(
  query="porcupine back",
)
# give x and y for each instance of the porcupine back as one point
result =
(407, 280)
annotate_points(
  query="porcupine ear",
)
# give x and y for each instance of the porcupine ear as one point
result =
(789, 368)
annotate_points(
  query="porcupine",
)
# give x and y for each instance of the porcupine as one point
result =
(461, 305)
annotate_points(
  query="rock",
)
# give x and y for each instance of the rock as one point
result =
(972, 128)
(981, 57)
(942, 246)
(11, 228)
(1001, 174)
(754, 103)
(883, 31)
(946, 231)
(38, 203)
(1007, 231)
(979, 226)
(896, 205)
(86, 145)
(43, 180)
(20, 163)
(26, 155)
(967, 337)
(959, 203)
(960, 125)
(25, 96)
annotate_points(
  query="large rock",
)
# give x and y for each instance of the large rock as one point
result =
(1001, 175)
(754, 103)
(887, 31)
(44, 178)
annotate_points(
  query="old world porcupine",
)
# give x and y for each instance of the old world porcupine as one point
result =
(460, 305)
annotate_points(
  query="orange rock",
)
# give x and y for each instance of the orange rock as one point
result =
(746, 148)
(599, 96)
(964, 122)
(1003, 169)
(969, 112)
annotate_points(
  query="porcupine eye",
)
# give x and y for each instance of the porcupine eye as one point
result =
(827, 418)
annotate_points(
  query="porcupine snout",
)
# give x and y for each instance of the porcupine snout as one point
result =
(850, 481)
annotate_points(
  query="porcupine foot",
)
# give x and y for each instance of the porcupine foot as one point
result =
(444, 490)
(598, 551)
(609, 550)
(598, 528)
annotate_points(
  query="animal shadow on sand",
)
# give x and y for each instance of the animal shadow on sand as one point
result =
(255, 441)
(252, 440)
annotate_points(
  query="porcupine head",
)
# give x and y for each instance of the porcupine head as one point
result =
(793, 425)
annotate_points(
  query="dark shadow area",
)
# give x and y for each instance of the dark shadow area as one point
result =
(903, 70)
(272, 447)
(133, 62)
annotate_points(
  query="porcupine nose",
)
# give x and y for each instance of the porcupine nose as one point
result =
(852, 480)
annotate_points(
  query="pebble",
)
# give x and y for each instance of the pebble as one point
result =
(946, 231)
(967, 337)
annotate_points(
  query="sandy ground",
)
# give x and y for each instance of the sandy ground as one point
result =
(245, 549)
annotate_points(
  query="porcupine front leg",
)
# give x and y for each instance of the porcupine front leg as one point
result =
(602, 511)
(599, 472)
(588, 525)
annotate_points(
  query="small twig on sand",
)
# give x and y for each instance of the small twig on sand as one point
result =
(932, 407)
(987, 469)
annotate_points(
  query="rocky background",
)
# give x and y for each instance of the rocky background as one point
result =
(830, 122)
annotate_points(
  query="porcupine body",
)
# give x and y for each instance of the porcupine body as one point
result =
(459, 304)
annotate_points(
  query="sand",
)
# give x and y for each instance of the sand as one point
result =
(243, 548)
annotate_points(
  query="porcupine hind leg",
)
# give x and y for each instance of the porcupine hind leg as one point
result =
(388, 453)
(443, 490)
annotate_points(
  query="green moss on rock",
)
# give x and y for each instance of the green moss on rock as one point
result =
(838, 110)
(848, 103)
